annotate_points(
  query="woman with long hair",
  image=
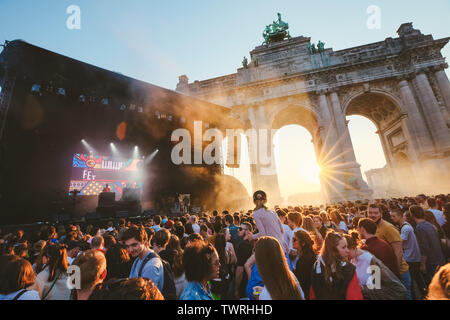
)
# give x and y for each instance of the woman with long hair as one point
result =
(319, 223)
(333, 278)
(177, 266)
(118, 262)
(17, 277)
(338, 221)
(51, 282)
(279, 282)
(309, 225)
(304, 245)
(227, 257)
(324, 216)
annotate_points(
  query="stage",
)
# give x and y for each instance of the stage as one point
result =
(55, 104)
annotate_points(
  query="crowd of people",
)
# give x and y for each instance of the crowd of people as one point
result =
(385, 249)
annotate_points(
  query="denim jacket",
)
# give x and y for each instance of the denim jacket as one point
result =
(196, 291)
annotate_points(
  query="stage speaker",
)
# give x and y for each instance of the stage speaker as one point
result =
(107, 211)
(122, 214)
(106, 198)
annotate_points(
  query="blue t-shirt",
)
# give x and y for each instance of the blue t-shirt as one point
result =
(28, 295)
(156, 228)
(429, 243)
(233, 232)
(255, 280)
(152, 270)
(411, 250)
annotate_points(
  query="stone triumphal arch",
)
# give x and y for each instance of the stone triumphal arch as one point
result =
(399, 83)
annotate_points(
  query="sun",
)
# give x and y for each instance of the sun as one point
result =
(309, 170)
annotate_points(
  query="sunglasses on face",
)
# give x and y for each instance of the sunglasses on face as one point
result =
(240, 229)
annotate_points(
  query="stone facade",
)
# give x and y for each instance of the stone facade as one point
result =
(398, 83)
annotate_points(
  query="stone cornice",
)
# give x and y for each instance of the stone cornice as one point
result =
(314, 74)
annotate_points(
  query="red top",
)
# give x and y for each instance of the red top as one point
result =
(383, 251)
(353, 290)
(107, 189)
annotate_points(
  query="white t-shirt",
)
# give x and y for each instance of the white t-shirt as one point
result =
(196, 228)
(265, 295)
(438, 215)
(362, 263)
(287, 233)
(28, 295)
(343, 226)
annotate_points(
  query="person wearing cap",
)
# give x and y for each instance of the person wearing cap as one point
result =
(267, 221)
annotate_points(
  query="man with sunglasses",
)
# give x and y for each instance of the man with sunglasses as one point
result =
(243, 251)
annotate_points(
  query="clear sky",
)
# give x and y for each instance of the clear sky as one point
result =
(157, 41)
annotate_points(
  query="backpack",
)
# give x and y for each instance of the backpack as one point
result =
(169, 291)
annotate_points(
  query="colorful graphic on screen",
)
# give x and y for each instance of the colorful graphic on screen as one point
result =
(91, 173)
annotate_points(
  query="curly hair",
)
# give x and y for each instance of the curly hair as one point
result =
(127, 289)
(137, 233)
(198, 261)
(439, 288)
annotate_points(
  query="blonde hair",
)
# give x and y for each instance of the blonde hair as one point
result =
(92, 265)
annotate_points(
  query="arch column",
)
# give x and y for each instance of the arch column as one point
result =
(348, 154)
(261, 149)
(328, 155)
(325, 189)
(432, 112)
(444, 86)
(423, 141)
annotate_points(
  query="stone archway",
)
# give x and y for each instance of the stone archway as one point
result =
(302, 116)
(387, 115)
(399, 83)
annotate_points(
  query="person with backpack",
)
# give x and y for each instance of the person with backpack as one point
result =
(147, 263)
